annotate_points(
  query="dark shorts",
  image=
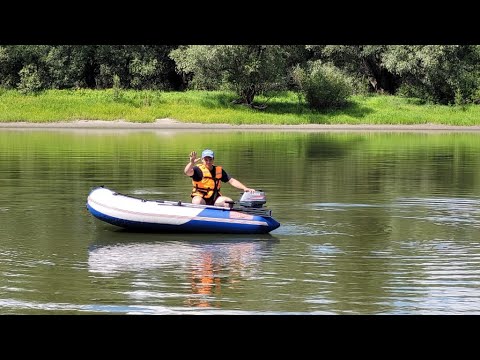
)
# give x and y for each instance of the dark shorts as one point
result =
(210, 201)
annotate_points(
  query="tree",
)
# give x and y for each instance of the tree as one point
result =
(246, 69)
(137, 66)
(364, 62)
(72, 66)
(438, 73)
(88, 66)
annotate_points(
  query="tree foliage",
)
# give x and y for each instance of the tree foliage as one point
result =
(442, 74)
(90, 66)
(436, 73)
(362, 62)
(246, 69)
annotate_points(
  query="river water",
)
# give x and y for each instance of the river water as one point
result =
(371, 223)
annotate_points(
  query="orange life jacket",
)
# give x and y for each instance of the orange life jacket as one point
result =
(209, 185)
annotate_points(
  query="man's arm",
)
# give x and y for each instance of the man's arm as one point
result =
(234, 182)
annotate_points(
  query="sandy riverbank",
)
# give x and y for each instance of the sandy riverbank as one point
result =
(177, 125)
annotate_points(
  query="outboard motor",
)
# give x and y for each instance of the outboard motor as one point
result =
(253, 200)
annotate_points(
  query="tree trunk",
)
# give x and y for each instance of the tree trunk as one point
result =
(248, 95)
(246, 98)
(381, 80)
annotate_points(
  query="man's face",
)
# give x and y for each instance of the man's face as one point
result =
(208, 161)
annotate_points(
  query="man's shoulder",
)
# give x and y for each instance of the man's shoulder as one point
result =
(197, 173)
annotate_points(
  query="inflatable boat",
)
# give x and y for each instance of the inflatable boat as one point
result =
(247, 216)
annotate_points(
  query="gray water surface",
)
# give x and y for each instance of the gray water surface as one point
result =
(371, 223)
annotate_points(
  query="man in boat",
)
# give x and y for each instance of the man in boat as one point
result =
(207, 179)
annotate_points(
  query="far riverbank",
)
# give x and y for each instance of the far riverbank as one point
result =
(173, 124)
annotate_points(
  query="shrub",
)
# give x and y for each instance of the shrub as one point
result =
(407, 90)
(324, 86)
(30, 80)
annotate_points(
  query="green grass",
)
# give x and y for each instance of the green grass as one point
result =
(217, 107)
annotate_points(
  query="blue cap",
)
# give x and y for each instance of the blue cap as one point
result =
(207, 152)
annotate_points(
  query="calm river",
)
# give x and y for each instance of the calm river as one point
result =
(371, 223)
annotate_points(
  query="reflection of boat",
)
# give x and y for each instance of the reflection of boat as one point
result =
(109, 257)
(246, 217)
(197, 270)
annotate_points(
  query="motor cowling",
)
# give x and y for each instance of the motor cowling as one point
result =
(253, 199)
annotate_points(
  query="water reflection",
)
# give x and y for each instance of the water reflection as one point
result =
(204, 270)
(222, 266)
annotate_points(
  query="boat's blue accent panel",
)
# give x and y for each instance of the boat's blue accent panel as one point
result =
(217, 213)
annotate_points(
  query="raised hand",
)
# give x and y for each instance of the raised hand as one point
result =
(193, 157)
